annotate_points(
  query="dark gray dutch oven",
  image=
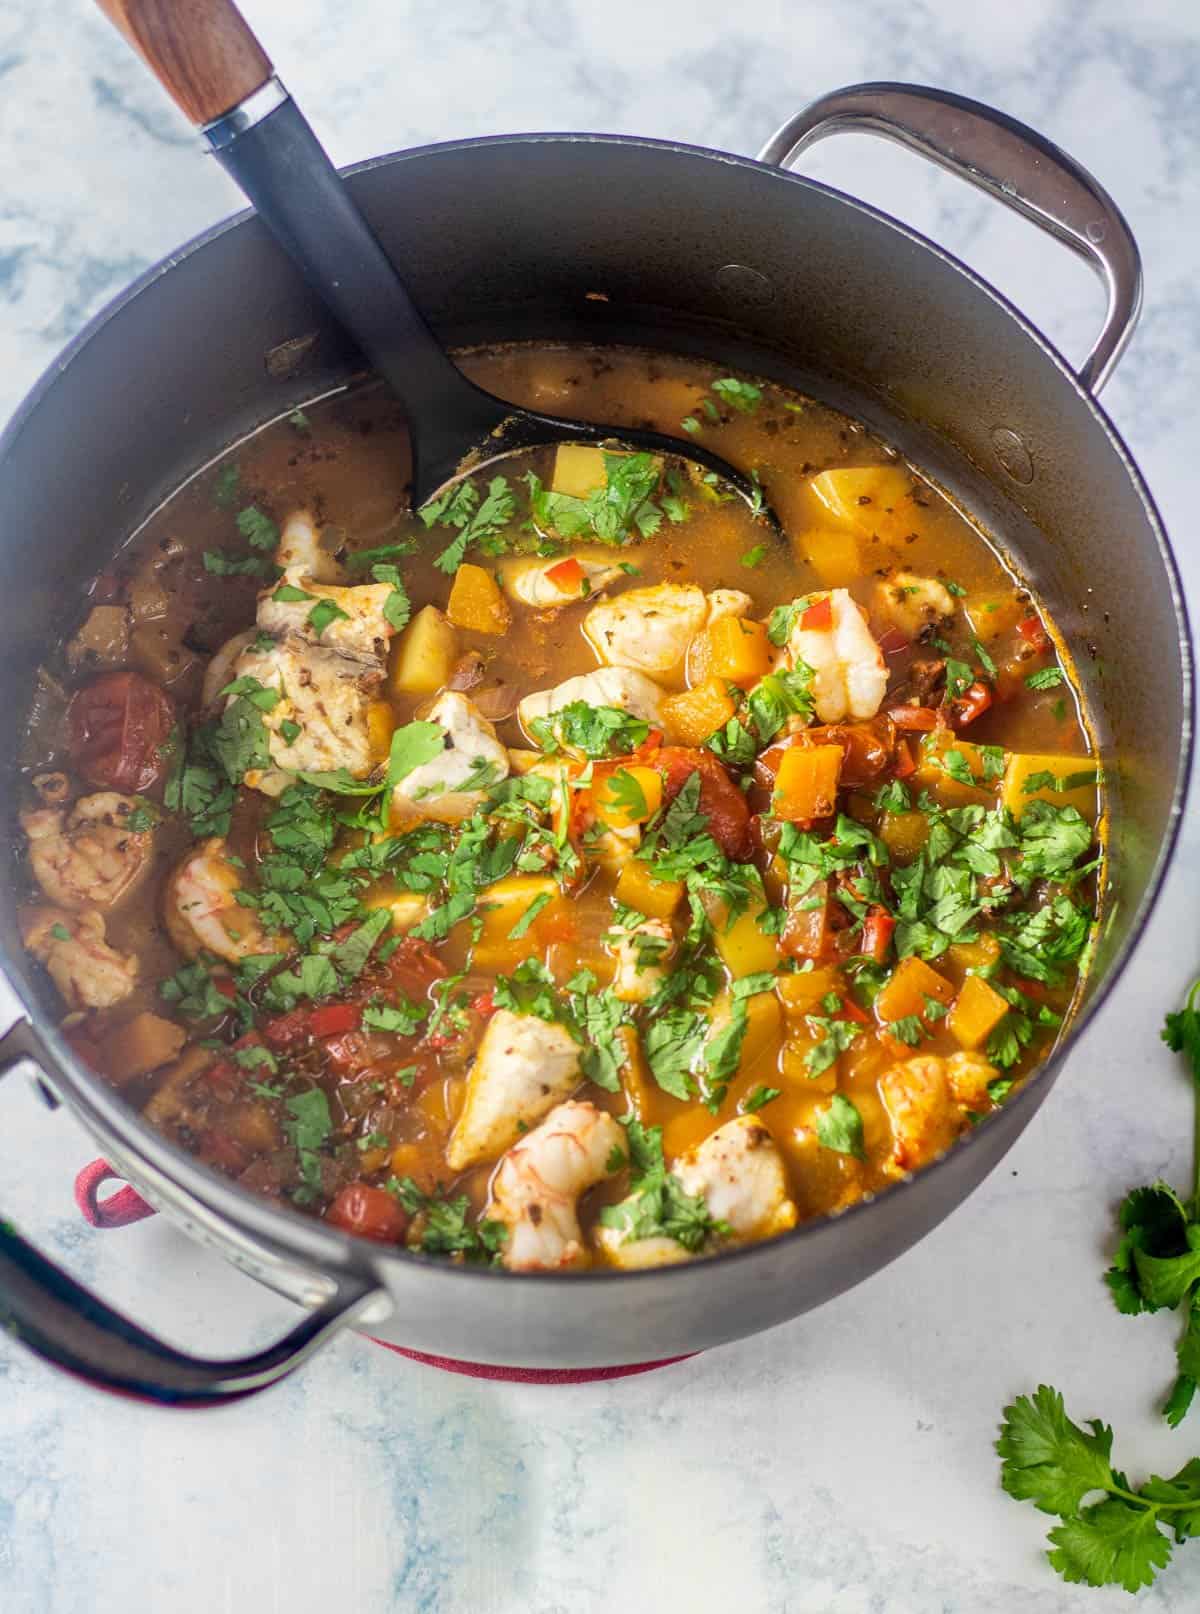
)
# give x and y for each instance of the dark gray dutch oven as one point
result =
(696, 251)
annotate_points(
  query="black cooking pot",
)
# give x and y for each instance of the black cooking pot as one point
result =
(694, 251)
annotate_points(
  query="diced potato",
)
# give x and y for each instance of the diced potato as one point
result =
(875, 500)
(739, 650)
(793, 1062)
(637, 888)
(904, 834)
(1072, 783)
(380, 723)
(803, 990)
(407, 908)
(764, 1024)
(834, 554)
(423, 656)
(103, 640)
(476, 601)
(976, 955)
(978, 1010)
(912, 981)
(504, 906)
(745, 948)
(931, 772)
(807, 783)
(139, 1046)
(631, 795)
(578, 470)
(698, 713)
(991, 615)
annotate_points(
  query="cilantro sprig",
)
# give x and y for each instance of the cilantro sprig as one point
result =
(1120, 1540)
(1157, 1263)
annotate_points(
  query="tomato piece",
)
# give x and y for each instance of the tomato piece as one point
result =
(286, 1029)
(411, 969)
(877, 934)
(914, 719)
(333, 1019)
(372, 1213)
(1034, 634)
(218, 1149)
(485, 1004)
(893, 643)
(567, 575)
(721, 801)
(117, 728)
(972, 703)
(819, 615)
(806, 931)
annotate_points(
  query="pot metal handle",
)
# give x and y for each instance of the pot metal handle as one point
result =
(1009, 161)
(66, 1325)
(45, 1309)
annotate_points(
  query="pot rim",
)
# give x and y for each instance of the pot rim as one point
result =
(313, 1242)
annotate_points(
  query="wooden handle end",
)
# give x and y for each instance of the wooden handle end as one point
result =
(201, 51)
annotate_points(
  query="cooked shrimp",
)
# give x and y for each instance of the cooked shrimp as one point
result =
(643, 957)
(913, 603)
(619, 687)
(202, 912)
(89, 857)
(849, 675)
(549, 583)
(537, 1185)
(524, 1067)
(649, 629)
(86, 970)
(451, 785)
(739, 1173)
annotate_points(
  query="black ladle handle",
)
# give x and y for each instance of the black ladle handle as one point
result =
(261, 138)
(209, 62)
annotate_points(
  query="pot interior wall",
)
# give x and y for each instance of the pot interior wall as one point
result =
(691, 252)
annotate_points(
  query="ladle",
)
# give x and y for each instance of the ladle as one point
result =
(210, 63)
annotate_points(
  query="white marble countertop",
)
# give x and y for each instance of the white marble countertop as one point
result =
(843, 1463)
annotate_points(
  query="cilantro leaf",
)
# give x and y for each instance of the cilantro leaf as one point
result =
(1046, 678)
(477, 523)
(659, 1206)
(597, 731)
(743, 396)
(840, 1128)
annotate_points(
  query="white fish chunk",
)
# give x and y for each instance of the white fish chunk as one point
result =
(649, 629)
(739, 1173)
(452, 785)
(529, 581)
(619, 687)
(643, 955)
(523, 1068)
(325, 695)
